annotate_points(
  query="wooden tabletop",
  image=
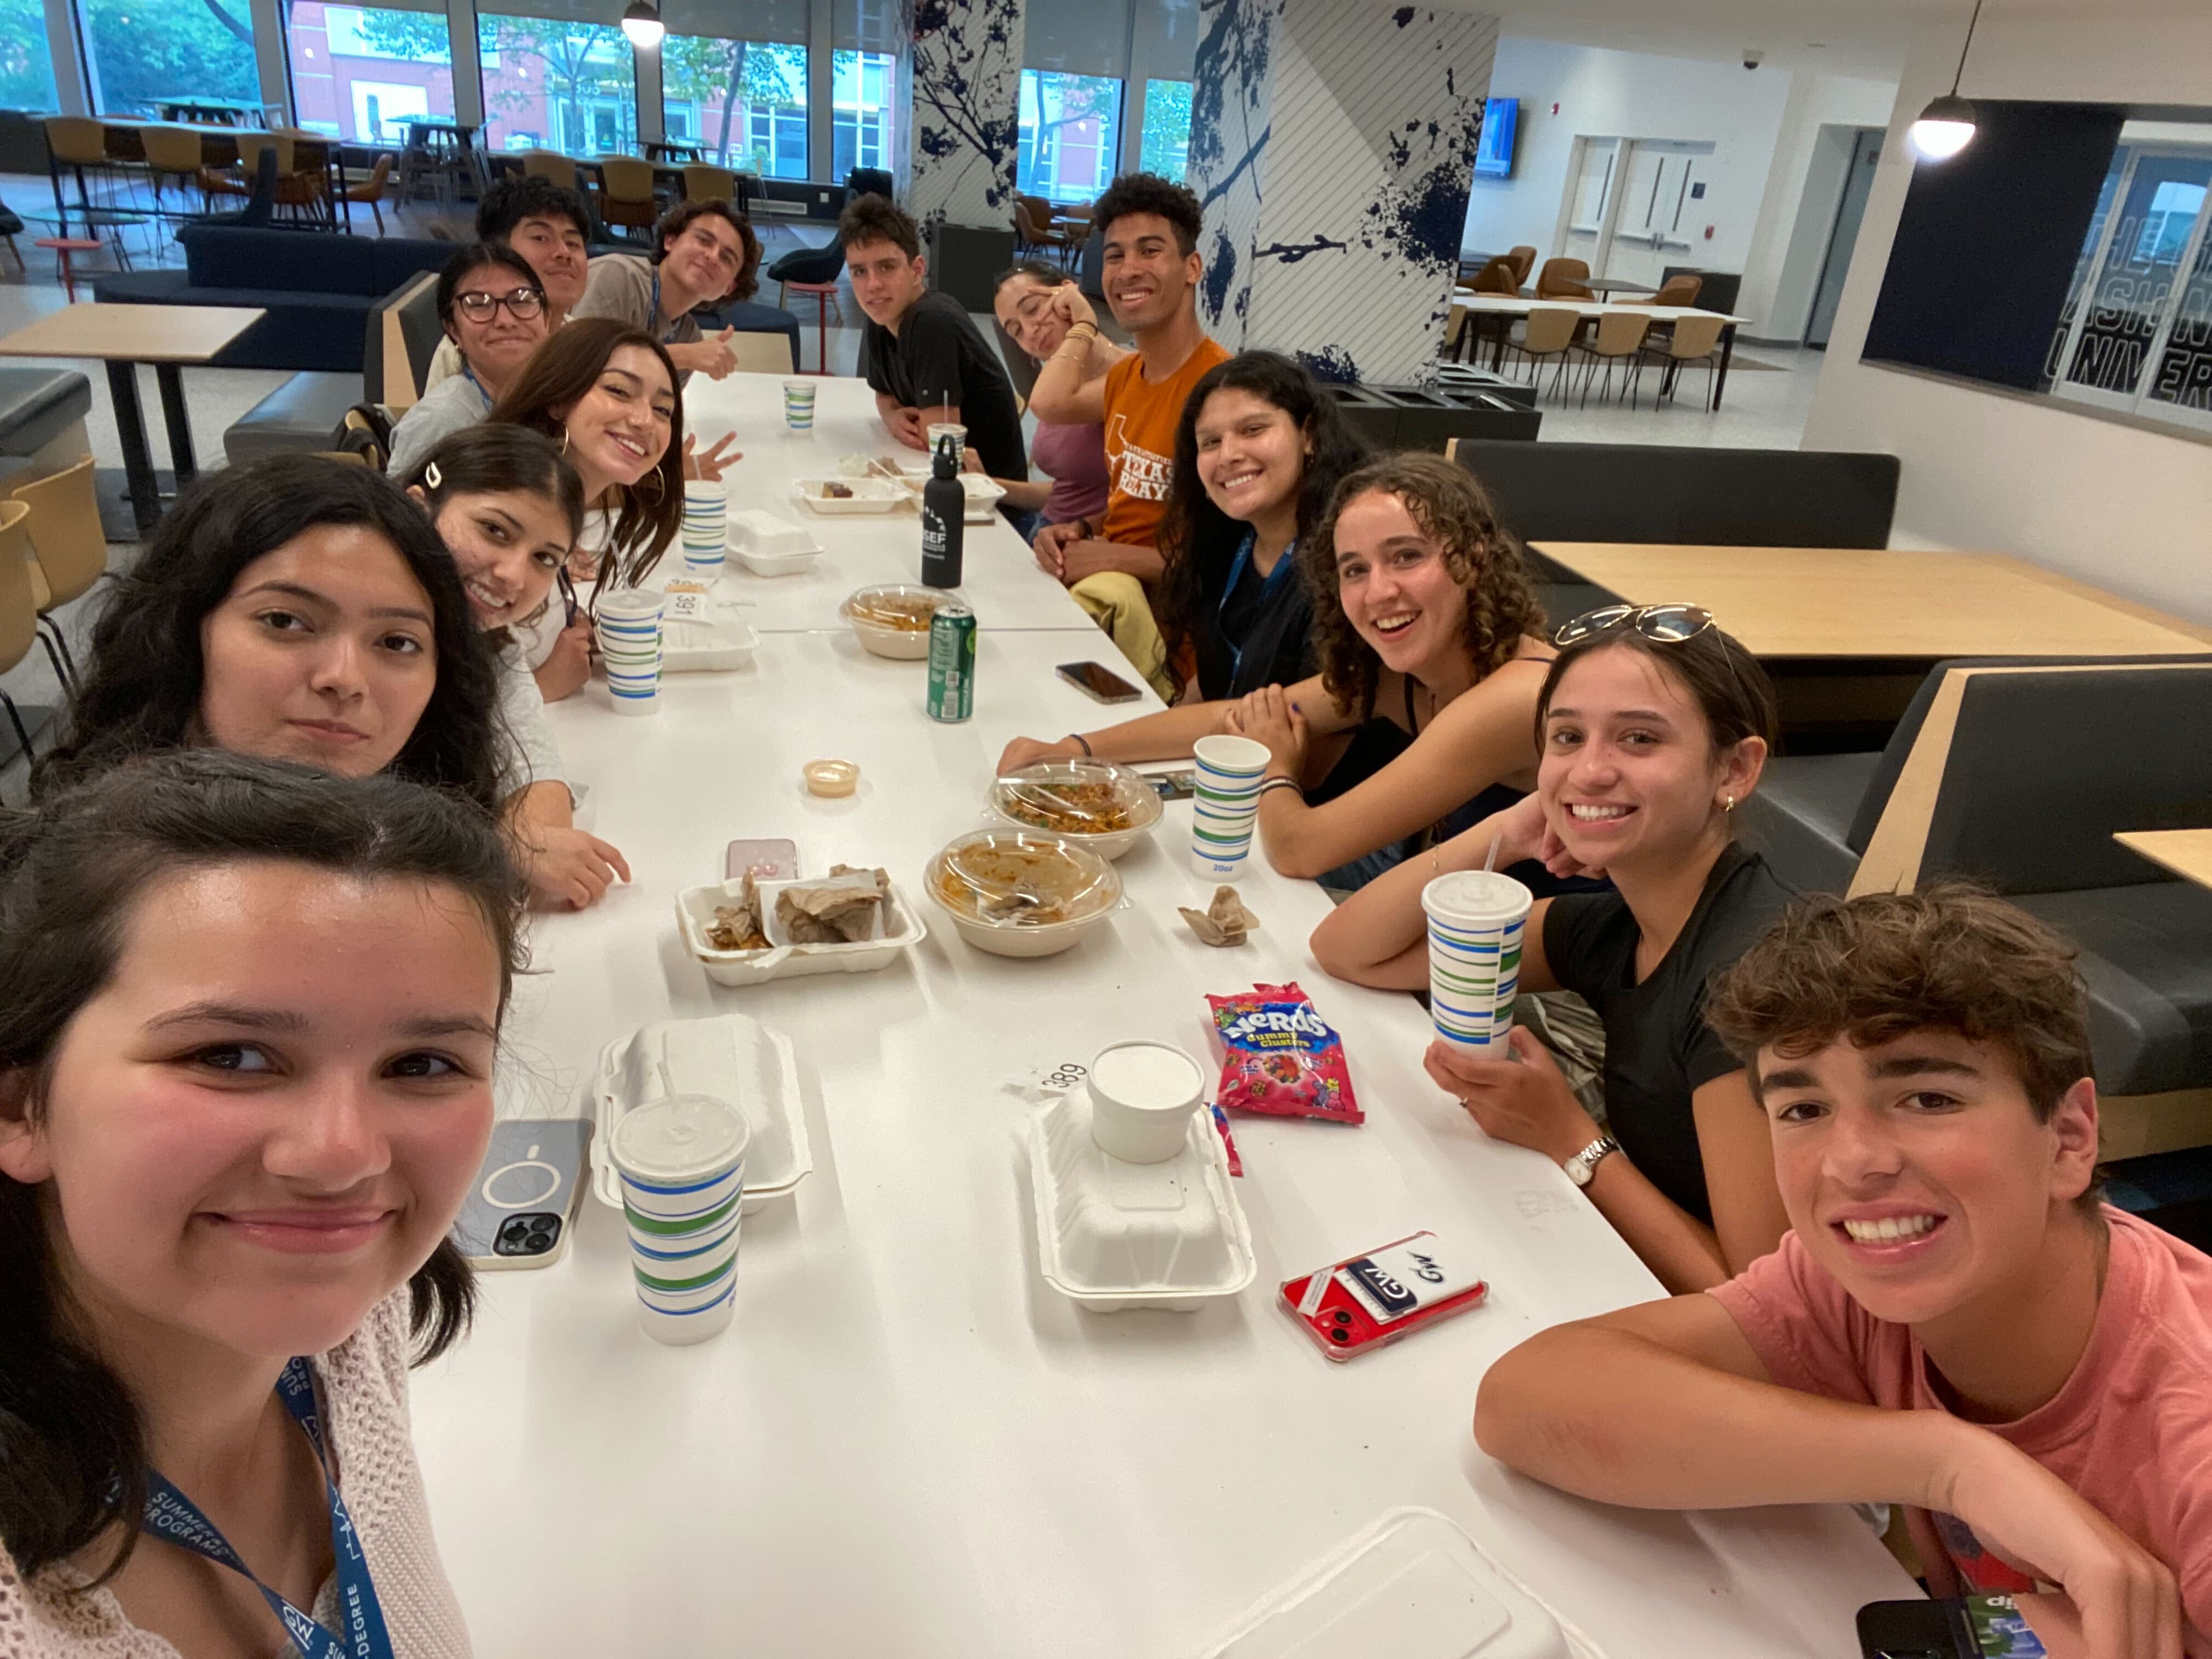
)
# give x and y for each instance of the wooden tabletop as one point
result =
(1505, 305)
(2186, 852)
(137, 334)
(1859, 602)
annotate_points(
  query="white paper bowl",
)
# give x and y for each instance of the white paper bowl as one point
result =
(906, 644)
(1101, 889)
(1132, 790)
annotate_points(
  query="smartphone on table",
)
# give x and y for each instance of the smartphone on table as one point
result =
(1097, 681)
(1957, 1627)
(1372, 1300)
(518, 1212)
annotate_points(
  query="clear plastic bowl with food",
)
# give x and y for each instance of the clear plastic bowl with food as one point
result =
(1018, 893)
(1099, 804)
(893, 621)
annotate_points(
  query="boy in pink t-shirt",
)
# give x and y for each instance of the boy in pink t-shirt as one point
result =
(1955, 1322)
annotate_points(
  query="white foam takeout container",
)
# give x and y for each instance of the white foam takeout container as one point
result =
(1412, 1585)
(769, 546)
(1115, 1236)
(729, 1056)
(983, 494)
(869, 495)
(694, 915)
(717, 645)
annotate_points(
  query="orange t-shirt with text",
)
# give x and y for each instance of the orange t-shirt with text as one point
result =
(1140, 430)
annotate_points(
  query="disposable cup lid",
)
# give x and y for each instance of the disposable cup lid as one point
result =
(1147, 1077)
(631, 604)
(1482, 898)
(683, 1137)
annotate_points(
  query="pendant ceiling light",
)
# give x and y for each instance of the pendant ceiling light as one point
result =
(641, 22)
(1947, 126)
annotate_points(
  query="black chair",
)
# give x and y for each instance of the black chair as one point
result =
(2019, 777)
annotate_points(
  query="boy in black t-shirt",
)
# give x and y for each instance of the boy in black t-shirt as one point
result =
(921, 353)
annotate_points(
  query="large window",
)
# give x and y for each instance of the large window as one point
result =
(143, 51)
(27, 64)
(2135, 336)
(553, 84)
(359, 72)
(743, 101)
(864, 118)
(1167, 129)
(1071, 128)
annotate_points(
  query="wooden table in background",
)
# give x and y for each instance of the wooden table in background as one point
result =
(123, 337)
(1883, 603)
(2187, 852)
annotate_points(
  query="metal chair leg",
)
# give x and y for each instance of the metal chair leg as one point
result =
(50, 635)
(16, 719)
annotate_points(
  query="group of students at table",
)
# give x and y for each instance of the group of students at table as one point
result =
(252, 973)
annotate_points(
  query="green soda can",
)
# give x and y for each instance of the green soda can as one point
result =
(952, 662)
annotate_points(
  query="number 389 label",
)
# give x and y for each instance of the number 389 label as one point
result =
(1404, 1279)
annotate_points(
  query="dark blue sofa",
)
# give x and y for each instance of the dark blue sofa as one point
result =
(318, 289)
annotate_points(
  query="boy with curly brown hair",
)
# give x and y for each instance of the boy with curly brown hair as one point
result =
(1955, 1323)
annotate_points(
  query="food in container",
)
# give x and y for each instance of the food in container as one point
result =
(893, 621)
(852, 495)
(1018, 894)
(1105, 807)
(893, 926)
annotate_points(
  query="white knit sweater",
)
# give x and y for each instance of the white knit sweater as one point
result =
(364, 1382)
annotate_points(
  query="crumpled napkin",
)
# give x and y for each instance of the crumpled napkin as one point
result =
(1225, 922)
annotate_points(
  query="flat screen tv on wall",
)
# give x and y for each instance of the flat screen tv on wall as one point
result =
(1501, 124)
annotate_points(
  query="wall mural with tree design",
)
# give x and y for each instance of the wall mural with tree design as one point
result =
(967, 124)
(1332, 145)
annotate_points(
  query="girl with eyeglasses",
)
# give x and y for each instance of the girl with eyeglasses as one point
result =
(492, 307)
(1654, 726)
(508, 507)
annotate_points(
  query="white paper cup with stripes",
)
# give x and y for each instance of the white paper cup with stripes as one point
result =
(680, 1163)
(628, 626)
(1224, 804)
(1477, 919)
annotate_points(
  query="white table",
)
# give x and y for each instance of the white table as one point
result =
(1509, 309)
(908, 1444)
(1002, 577)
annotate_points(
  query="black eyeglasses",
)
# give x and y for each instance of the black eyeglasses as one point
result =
(1669, 624)
(523, 303)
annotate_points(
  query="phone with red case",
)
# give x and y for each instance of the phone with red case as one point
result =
(1370, 1300)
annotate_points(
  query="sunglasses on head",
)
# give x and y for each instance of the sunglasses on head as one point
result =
(1669, 624)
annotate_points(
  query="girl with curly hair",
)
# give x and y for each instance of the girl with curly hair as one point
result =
(1421, 719)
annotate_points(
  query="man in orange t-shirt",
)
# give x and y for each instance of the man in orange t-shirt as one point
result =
(1152, 270)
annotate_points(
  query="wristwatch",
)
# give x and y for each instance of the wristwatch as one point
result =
(1582, 1167)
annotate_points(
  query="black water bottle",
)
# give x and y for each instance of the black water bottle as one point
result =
(943, 517)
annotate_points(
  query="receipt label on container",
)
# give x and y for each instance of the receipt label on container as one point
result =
(687, 605)
(1404, 1279)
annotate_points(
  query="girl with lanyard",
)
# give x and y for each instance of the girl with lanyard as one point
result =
(248, 1013)
(1654, 726)
(1430, 641)
(492, 309)
(509, 508)
(604, 393)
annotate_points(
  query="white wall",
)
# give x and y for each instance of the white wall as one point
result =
(1763, 125)
(1790, 237)
(2128, 509)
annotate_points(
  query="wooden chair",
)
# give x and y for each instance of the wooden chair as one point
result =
(75, 142)
(764, 353)
(70, 548)
(1680, 290)
(552, 164)
(1547, 337)
(626, 196)
(705, 182)
(1562, 279)
(371, 190)
(1525, 261)
(1619, 339)
(1691, 340)
(19, 614)
(1033, 230)
(1497, 277)
(172, 152)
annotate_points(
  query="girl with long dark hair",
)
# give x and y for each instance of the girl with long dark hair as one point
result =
(248, 1013)
(301, 608)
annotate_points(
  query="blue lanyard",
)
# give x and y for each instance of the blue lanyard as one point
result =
(655, 312)
(1268, 588)
(171, 1515)
(469, 375)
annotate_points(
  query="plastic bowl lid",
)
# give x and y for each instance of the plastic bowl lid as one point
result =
(897, 608)
(1016, 878)
(1078, 798)
(683, 1137)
